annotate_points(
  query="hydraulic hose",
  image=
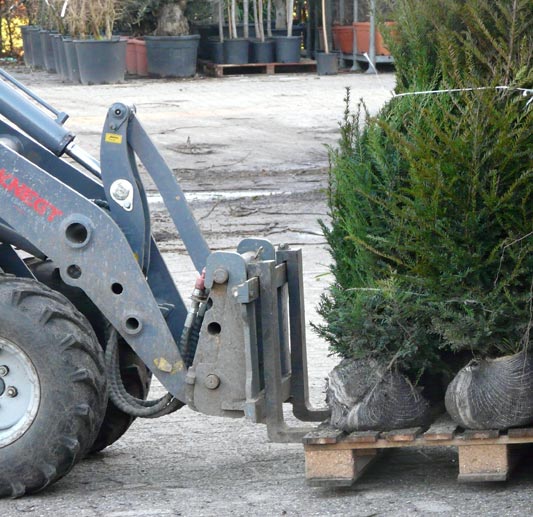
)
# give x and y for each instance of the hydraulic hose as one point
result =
(125, 401)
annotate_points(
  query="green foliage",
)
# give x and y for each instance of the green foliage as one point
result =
(444, 43)
(431, 202)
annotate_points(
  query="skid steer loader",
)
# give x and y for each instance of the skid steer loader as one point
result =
(89, 311)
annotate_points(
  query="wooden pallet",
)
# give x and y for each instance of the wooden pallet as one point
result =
(218, 70)
(334, 458)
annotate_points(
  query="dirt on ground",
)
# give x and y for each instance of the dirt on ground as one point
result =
(250, 153)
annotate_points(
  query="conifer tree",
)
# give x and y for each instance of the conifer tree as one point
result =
(431, 201)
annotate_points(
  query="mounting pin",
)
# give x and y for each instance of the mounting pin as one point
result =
(212, 381)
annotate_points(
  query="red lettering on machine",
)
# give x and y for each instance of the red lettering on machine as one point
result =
(29, 197)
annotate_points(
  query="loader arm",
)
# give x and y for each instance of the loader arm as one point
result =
(249, 352)
(75, 234)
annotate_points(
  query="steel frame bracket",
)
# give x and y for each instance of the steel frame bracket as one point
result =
(251, 356)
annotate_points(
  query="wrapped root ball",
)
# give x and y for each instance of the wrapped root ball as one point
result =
(365, 396)
(493, 393)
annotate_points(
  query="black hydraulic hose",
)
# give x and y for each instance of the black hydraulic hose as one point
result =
(125, 401)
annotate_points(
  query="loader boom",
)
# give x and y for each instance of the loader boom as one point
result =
(247, 356)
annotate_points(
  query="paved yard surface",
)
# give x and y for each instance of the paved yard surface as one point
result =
(251, 154)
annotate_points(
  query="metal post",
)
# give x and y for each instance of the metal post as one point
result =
(372, 44)
(356, 67)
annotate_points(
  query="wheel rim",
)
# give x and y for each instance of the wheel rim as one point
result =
(19, 392)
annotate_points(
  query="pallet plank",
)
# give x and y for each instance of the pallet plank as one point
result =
(480, 434)
(362, 437)
(221, 70)
(402, 435)
(322, 435)
(526, 432)
(442, 429)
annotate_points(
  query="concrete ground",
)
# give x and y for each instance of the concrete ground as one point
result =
(251, 153)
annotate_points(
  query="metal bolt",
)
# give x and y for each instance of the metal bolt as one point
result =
(212, 381)
(221, 275)
(12, 392)
(127, 205)
(118, 112)
(4, 370)
(120, 191)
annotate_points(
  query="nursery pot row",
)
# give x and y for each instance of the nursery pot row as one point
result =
(85, 61)
(239, 51)
(104, 61)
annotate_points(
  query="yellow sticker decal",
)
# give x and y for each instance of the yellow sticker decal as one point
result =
(113, 139)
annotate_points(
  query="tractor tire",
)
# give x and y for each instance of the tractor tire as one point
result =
(52, 386)
(135, 376)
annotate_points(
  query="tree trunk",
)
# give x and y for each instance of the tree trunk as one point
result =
(290, 9)
(234, 18)
(260, 21)
(281, 14)
(245, 18)
(221, 21)
(256, 19)
(171, 20)
(269, 18)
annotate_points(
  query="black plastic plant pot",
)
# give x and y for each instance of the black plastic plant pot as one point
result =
(288, 49)
(327, 64)
(34, 34)
(172, 56)
(101, 61)
(49, 57)
(61, 58)
(216, 50)
(262, 51)
(71, 56)
(26, 44)
(207, 33)
(236, 51)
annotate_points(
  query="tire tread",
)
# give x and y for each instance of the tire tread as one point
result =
(83, 365)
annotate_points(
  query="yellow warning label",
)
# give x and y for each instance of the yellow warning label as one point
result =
(113, 139)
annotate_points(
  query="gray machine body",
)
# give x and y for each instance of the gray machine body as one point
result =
(92, 219)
